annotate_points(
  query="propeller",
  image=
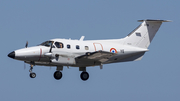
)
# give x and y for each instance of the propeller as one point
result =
(49, 54)
(50, 51)
(26, 44)
(51, 47)
(24, 61)
(24, 65)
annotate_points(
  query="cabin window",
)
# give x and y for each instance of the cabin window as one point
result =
(59, 44)
(68, 46)
(77, 47)
(86, 48)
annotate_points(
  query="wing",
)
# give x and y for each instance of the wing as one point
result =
(99, 56)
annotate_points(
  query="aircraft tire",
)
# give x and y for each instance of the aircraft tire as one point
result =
(84, 76)
(57, 75)
(32, 75)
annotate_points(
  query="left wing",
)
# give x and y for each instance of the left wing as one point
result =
(100, 56)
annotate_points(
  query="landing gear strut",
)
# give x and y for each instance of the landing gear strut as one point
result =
(32, 74)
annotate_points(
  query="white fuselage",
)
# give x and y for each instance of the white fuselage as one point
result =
(80, 53)
(73, 48)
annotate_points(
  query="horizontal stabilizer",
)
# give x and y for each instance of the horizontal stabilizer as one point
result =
(150, 20)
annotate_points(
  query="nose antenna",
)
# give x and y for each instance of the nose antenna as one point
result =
(26, 44)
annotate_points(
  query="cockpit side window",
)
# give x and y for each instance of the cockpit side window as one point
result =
(47, 43)
(59, 44)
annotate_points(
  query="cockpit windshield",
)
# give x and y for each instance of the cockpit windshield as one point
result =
(47, 43)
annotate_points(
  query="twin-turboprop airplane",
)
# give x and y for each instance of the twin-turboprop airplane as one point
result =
(84, 53)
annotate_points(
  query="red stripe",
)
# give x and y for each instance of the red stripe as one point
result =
(40, 54)
(95, 45)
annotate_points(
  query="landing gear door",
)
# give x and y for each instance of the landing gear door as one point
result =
(98, 46)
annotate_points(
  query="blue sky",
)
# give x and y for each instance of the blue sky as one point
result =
(154, 78)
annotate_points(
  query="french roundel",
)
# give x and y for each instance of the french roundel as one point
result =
(113, 50)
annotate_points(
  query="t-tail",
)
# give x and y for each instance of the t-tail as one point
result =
(144, 33)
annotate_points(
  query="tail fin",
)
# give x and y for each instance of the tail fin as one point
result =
(144, 33)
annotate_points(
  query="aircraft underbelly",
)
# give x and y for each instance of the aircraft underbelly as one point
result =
(85, 63)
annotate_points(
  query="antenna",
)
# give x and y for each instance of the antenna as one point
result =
(82, 38)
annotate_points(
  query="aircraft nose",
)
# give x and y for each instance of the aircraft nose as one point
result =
(11, 55)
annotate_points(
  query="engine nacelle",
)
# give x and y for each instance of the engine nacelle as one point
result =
(60, 60)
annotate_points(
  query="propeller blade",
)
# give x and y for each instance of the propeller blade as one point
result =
(101, 66)
(26, 44)
(51, 47)
(24, 65)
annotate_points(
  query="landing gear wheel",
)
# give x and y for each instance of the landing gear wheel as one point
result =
(84, 76)
(32, 75)
(57, 75)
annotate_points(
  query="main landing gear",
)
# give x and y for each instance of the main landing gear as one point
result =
(58, 73)
(32, 74)
(84, 75)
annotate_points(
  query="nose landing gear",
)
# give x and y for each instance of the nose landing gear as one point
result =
(32, 74)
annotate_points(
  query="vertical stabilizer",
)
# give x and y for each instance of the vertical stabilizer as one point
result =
(144, 33)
